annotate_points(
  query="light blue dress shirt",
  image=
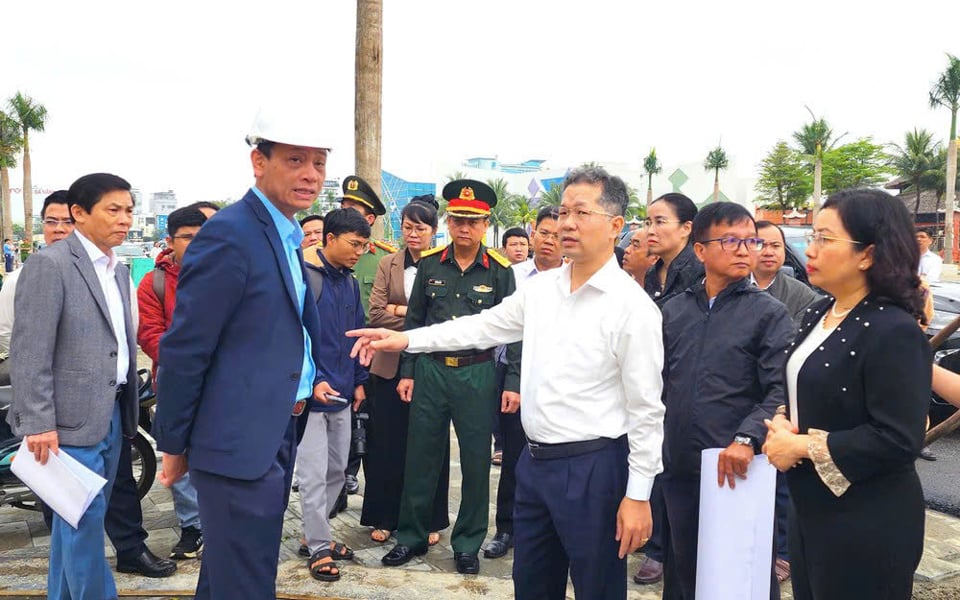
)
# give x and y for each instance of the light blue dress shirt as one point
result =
(291, 235)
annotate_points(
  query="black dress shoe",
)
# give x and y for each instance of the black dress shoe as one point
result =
(341, 504)
(147, 564)
(498, 546)
(468, 564)
(401, 555)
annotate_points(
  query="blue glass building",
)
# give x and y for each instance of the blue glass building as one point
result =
(395, 194)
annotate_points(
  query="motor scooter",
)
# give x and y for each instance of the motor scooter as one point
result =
(14, 493)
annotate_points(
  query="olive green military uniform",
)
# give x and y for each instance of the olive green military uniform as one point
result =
(460, 386)
(366, 270)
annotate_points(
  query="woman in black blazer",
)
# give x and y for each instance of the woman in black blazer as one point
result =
(858, 383)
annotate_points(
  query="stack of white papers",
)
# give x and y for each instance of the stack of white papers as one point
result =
(64, 484)
(735, 548)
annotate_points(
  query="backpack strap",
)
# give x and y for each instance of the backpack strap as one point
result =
(160, 287)
(316, 283)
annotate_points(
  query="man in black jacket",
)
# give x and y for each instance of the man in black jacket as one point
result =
(724, 342)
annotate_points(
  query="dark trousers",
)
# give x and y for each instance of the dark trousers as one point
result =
(514, 441)
(566, 521)
(654, 548)
(124, 519)
(782, 510)
(242, 527)
(681, 496)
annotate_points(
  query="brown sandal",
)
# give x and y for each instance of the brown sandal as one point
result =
(380, 536)
(322, 567)
(782, 569)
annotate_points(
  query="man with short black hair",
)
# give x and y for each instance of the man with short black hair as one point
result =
(157, 298)
(768, 276)
(930, 262)
(325, 446)
(516, 245)
(90, 331)
(312, 226)
(207, 208)
(722, 376)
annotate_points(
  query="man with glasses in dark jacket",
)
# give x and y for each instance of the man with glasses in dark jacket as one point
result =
(724, 342)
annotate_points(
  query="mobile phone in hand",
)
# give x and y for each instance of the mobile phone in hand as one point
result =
(337, 399)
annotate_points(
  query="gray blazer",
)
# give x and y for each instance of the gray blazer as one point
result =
(64, 351)
(795, 294)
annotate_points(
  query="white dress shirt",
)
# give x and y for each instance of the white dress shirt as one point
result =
(7, 293)
(592, 361)
(105, 267)
(930, 266)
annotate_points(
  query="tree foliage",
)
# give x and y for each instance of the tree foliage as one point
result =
(858, 164)
(946, 92)
(784, 181)
(915, 161)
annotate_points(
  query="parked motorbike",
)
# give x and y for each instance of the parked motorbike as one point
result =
(14, 493)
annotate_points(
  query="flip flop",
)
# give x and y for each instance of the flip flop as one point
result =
(380, 536)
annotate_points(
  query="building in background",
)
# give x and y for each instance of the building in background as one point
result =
(395, 194)
(163, 203)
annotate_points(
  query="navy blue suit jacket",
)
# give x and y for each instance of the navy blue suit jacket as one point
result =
(230, 363)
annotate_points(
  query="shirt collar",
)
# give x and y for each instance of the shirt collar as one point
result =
(753, 280)
(480, 260)
(96, 254)
(289, 230)
(330, 268)
(603, 280)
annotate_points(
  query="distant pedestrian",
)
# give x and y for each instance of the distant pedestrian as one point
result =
(8, 255)
(930, 262)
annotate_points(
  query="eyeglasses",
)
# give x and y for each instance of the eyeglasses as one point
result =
(732, 244)
(818, 239)
(417, 229)
(548, 235)
(581, 215)
(355, 244)
(637, 244)
(185, 236)
(51, 222)
(658, 222)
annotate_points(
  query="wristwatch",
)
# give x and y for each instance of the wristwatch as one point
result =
(743, 440)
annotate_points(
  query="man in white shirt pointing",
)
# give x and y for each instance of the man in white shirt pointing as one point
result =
(590, 387)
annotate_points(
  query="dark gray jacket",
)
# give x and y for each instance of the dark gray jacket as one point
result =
(685, 270)
(723, 370)
(795, 294)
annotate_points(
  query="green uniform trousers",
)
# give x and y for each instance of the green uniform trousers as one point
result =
(442, 393)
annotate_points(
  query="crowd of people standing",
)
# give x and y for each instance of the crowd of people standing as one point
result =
(603, 381)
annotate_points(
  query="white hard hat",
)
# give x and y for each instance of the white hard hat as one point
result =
(295, 127)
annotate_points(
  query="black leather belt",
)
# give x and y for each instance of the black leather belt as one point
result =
(567, 449)
(298, 407)
(463, 361)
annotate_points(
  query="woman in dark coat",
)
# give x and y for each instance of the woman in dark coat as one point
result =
(669, 223)
(858, 383)
(387, 450)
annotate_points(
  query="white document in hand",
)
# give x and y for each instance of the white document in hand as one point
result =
(64, 484)
(735, 547)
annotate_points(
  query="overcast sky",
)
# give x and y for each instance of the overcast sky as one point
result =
(164, 93)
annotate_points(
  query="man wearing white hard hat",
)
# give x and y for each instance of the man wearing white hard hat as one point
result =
(239, 360)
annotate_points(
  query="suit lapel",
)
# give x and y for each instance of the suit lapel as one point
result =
(273, 236)
(83, 263)
(396, 276)
(122, 275)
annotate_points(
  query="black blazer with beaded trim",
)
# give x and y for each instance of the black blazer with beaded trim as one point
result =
(868, 385)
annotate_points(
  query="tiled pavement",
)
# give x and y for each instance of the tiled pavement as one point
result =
(24, 540)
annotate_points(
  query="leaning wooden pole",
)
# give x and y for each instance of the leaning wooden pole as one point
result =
(367, 104)
(950, 424)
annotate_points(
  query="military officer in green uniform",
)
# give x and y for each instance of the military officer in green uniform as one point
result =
(460, 279)
(358, 194)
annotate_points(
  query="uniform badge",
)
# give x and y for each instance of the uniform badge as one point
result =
(352, 185)
(436, 282)
(483, 289)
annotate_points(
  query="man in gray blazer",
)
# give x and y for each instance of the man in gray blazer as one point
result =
(74, 371)
(796, 295)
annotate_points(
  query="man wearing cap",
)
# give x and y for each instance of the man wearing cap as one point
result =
(239, 360)
(460, 279)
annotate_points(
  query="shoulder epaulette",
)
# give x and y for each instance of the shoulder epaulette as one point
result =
(384, 246)
(432, 251)
(499, 258)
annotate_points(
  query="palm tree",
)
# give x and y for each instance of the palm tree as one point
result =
(553, 196)
(500, 214)
(456, 175)
(946, 92)
(367, 102)
(814, 139)
(915, 160)
(522, 213)
(10, 144)
(652, 166)
(716, 161)
(31, 115)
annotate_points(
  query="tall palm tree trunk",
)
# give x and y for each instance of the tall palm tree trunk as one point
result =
(716, 184)
(649, 189)
(916, 205)
(817, 182)
(7, 215)
(27, 192)
(951, 194)
(367, 105)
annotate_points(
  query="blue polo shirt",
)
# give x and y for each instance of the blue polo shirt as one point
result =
(291, 235)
